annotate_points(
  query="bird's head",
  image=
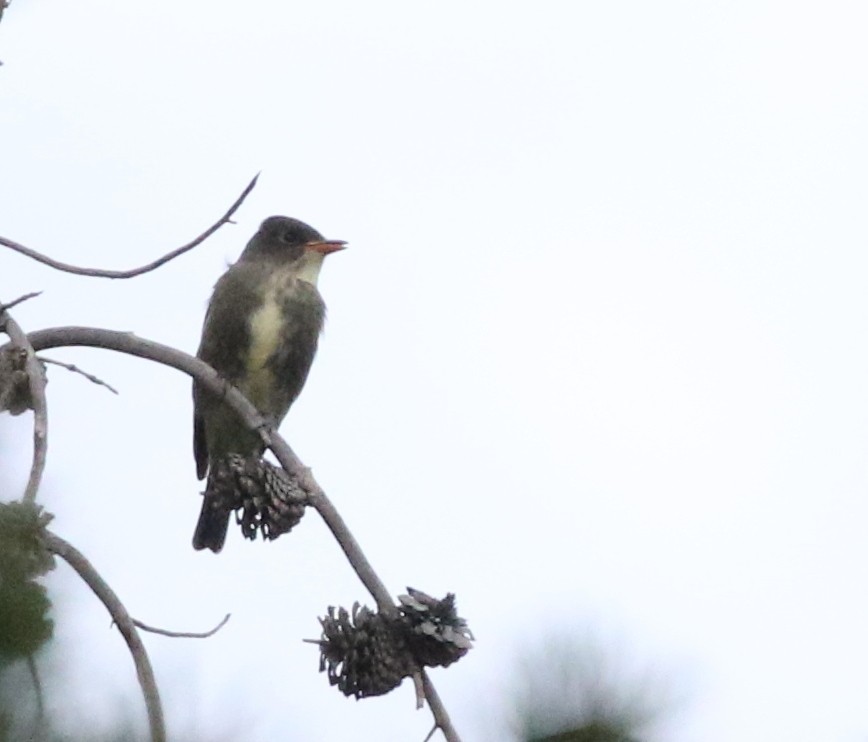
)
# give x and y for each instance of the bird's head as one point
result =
(292, 243)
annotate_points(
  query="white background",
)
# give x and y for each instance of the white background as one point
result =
(596, 357)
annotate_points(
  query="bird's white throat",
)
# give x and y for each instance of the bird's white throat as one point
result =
(311, 263)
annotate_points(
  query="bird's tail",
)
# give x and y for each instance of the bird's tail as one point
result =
(213, 522)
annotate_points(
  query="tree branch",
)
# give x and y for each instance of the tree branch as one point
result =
(438, 710)
(76, 370)
(128, 343)
(36, 380)
(101, 273)
(183, 634)
(211, 380)
(20, 299)
(124, 622)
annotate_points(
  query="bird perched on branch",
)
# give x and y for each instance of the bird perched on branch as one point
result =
(261, 332)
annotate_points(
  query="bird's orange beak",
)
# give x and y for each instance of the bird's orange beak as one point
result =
(324, 247)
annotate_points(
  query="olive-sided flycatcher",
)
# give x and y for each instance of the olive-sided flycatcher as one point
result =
(260, 334)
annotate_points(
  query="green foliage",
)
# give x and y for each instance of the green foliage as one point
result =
(24, 622)
(24, 604)
(594, 731)
(572, 691)
(22, 553)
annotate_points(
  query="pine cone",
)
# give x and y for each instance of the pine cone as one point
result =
(365, 654)
(437, 635)
(368, 653)
(266, 499)
(14, 381)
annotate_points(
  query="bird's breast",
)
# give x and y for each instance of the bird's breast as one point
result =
(267, 331)
(283, 332)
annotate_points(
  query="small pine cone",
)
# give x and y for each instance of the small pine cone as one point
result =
(266, 499)
(438, 636)
(365, 654)
(14, 381)
(284, 503)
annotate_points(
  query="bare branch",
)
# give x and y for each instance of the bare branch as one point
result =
(441, 716)
(16, 302)
(211, 380)
(122, 618)
(76, 370)
(101, 273)
(36, 380)
(183, 634)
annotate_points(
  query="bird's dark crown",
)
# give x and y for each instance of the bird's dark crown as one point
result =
(280, 236)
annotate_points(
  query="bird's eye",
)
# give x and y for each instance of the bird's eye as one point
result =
(289, 236)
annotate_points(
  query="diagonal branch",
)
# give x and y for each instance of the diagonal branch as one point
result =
(36, 380)
(126, 342)
(102, 273)
(211, 380)
(76, 370)
(124, 621)
(20, 299)
(438, 710)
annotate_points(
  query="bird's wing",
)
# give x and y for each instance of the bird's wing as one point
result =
(225, 341)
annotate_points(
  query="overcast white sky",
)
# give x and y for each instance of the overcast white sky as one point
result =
(596, 358)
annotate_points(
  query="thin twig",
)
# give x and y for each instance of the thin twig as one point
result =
(211, 380)
(16, 302)
(37, 687)
(419, 688)
(183, 634)
(36, 380)
(102, 273)
(124, 622)
(76, 370)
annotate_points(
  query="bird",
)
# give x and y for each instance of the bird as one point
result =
(260, 334)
